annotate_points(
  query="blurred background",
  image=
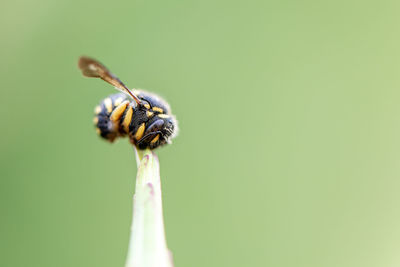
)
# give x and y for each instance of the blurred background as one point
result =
(289, 149)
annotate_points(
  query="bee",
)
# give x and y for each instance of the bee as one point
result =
(142, 116)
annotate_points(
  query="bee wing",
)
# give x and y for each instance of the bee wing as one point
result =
(92, 68)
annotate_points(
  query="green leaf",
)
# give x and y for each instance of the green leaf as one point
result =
(148, 247)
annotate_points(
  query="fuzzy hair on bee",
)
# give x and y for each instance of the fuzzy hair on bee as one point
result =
(142, 116)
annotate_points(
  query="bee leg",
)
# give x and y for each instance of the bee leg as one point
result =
(145, 139)
(155, 126)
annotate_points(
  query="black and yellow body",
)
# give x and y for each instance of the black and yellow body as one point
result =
(144, 117)
(149, 124)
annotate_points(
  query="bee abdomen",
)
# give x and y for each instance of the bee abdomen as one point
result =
(112, 115)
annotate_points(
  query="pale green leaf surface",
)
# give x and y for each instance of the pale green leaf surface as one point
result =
(148, 246)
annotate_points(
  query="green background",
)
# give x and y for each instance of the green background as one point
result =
(289, 149)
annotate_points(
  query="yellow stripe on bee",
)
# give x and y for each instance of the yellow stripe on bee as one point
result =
(163, 116)
(118, 111)
(127, 119)
(97, 110)
(157, 109)
(98, 131)
(118, 101)
(95, 120)
(146, 105)
(149, 114)
(108, 104)
(155, 139)
(140, 131)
